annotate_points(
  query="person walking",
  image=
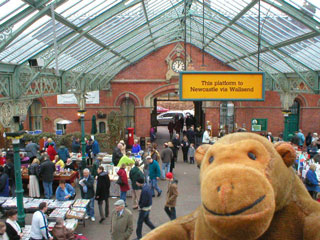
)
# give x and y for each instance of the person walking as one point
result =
(185, 147)
(301, 138)
(171, 128)
(47, 169)
(176, 143)
(154, 175)
(172, 195)
(13, 228)
(102, 193)
(87, 192)
(166, 156)
(121, 222)
(172, 162)
(75, 146)
(9, 170)
(124, 187)
(34, 173)
(134, 175)
(39, 225)
(95, 151)
(145, 204)
(191, 153)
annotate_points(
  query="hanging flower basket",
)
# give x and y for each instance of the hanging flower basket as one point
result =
(101, 114)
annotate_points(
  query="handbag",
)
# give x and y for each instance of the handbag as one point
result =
(119, 181)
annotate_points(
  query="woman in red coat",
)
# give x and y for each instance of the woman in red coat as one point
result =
(51, 151)
(124, 187)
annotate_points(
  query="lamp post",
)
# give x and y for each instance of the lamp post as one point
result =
(17, 172)
(81, 114)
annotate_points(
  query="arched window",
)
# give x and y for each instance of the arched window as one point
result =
(127, 110)
(102, 127)
(227, 116)
(35, 116)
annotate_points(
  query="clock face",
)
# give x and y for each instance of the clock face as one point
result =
(178, 65)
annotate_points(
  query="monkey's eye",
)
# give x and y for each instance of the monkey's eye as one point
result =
(211, 159)
(252, 156)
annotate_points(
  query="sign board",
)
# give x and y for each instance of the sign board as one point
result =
(92, 98)
(235, 86)
(259, 124)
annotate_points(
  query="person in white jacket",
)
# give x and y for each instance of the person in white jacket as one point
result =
(206, 137)
(39, 225)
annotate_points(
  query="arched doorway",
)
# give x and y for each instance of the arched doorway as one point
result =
(294, 117)
(35, 116)
(127, 110)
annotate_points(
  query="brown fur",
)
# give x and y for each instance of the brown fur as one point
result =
(245, 198)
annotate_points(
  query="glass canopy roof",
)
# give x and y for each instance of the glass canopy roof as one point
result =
(103, 37)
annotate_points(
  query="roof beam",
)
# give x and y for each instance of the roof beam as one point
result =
(295, 13)
(238, 16)
(42, 11)
(147, 19)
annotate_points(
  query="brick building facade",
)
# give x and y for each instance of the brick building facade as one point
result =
(146, 80)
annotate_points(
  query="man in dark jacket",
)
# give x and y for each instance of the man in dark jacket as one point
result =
(166, 156)
(117, 154)
(102, 192)
(135, 174)
(32, 150)
(9, 170)
(47, 169)
(87, 192)
(4, 183)
(145, 204)
(176, 143)
(190, 135)
(75, 146)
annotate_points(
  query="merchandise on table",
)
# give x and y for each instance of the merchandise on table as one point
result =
(61, 204)
(76, 212)
(26, 232)
(4, 199)
(68, 223)
(81, 203)
(59, 212)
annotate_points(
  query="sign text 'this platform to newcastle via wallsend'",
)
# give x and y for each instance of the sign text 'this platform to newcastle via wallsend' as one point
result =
(241, 86)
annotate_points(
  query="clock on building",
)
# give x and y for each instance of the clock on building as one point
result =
(178, 65)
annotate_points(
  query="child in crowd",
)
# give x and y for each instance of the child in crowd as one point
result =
(191, 152)
(172, 195)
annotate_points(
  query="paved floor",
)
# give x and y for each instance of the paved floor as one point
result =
(188, 200)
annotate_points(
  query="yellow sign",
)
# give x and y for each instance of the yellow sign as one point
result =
(242, 86)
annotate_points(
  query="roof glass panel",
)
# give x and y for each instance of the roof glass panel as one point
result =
(276, 26)
(80, 12)
(119, 25)
(12, 8)
(309, 7)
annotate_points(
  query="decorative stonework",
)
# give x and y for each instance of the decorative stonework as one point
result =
(13, 108)
(287, 99)
(176, 53)
(6, 33)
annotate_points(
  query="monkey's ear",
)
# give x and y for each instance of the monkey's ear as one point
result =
(200, 152)
(287, 152)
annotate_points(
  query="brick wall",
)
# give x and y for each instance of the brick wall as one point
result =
(152, 68)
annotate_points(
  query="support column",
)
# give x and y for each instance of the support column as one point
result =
(81, 97)
(17, 172)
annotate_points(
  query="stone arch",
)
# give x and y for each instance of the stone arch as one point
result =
(302, 101)
(124, 95)
(168, 88)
